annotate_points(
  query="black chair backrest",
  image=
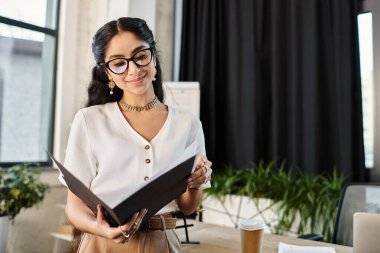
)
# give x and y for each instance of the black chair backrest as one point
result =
(356, 197)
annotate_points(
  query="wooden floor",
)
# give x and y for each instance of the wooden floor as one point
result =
(218, 239)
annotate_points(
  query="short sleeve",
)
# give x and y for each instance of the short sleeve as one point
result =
(79, 159)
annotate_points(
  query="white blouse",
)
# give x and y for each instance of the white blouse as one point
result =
(112, 159)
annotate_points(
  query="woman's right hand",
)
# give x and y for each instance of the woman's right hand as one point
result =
(122, 233)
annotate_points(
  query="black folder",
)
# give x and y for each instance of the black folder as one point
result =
(157, 193)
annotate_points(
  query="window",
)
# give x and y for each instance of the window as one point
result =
(366, 72)
(28, 41)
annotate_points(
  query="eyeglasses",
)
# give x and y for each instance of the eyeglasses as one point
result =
(141, 58)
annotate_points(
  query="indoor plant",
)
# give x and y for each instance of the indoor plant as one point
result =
(19, 188)
(303, 203)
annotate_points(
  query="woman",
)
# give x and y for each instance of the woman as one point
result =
(124, 136)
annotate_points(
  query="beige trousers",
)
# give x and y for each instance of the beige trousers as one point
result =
(144, 241)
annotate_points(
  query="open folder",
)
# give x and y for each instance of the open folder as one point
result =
(153, 195)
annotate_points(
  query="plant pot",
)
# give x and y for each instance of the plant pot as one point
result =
(4, 225)
(229, 211)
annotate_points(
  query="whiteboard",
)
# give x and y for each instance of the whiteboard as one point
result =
(183, 95)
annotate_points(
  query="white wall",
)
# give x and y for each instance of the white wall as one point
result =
(375, 172)
(79, 21)
(145, 9)
(117, 8)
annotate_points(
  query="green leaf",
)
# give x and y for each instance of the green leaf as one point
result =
(310, 199)
(20, 188)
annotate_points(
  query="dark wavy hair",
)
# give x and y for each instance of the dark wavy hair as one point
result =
(98, 91)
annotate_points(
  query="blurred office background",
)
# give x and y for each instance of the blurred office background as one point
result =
(288, 80)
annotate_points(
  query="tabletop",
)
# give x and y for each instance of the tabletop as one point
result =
(220, 239)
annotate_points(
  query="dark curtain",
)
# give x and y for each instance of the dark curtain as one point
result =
(279, 80)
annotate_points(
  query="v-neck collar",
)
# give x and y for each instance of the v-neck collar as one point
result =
(131, 129)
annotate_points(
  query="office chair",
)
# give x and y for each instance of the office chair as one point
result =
(356, 197)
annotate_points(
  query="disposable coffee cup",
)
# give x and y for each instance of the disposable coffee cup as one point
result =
(251, 235)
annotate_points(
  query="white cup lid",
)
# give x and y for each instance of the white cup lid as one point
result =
(251, 224)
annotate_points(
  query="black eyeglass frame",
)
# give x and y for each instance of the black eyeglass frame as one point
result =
(130, 59)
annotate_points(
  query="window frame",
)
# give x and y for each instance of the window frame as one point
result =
(54, 33)
(365, 6)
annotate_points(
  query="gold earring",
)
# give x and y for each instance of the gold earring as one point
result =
(111, 85)
(154, 78)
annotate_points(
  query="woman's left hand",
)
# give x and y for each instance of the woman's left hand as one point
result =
(201, 174)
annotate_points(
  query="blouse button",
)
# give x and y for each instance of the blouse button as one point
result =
(147, 147)
(146, 178)
(147, 160)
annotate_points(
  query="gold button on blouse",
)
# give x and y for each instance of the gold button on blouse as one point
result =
(147, 160)
(146, 178)
(147, 147)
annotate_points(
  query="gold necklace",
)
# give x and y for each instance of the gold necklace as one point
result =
(137, 108)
